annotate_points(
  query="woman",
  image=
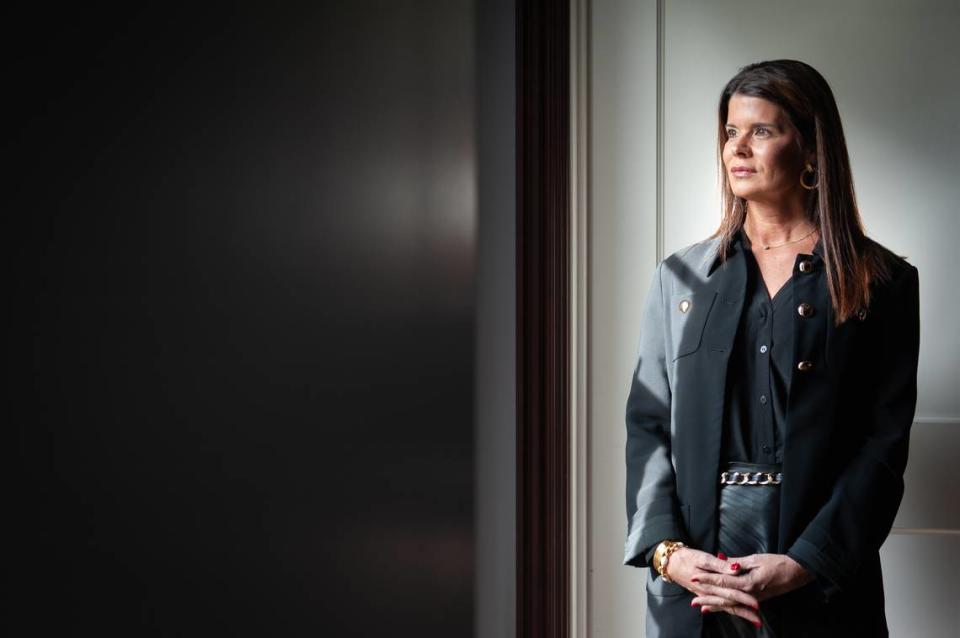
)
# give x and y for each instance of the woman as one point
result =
(770, 409)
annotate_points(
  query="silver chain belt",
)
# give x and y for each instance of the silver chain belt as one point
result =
(751, 478)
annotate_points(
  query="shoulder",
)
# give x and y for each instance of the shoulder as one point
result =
(689, 267)
(895, 262)
(890, 272)
(698, 255)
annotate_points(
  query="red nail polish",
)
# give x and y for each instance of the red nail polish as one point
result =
(721, 556)
(758, 624)
(735, 566)
(694, 580)
(703, 611)
(694, 603)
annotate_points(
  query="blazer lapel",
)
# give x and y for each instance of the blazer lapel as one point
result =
(729, 281)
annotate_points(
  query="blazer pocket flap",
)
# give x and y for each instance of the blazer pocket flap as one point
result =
(687, 315)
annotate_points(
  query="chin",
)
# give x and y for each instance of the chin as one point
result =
(750, 194)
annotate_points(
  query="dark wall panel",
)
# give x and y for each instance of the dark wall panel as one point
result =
(247, 266)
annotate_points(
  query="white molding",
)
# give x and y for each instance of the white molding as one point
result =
(580, 145)
(924, 531)
(661, 111)
(936, 420)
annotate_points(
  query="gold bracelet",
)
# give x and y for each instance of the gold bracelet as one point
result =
(661, 557)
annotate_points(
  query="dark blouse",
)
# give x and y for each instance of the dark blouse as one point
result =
(760, 367)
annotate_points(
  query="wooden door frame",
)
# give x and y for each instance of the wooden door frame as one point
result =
(543, 318)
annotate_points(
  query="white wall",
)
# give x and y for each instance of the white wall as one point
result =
(892, 68)
(623, 255)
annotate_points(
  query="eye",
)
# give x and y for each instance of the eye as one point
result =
(731, 132)
(761, 132)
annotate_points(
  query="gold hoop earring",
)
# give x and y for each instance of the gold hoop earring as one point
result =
(809, 169)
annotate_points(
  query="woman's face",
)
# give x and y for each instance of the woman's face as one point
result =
(762, 154)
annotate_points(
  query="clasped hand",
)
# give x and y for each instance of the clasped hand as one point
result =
(735, 585)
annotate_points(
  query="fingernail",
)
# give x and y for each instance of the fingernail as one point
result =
(703, 611)
(757, 624)
(694, 580)
(721, 556)
(694, 603)
(735, 566)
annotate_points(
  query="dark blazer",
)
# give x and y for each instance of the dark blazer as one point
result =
(851, 404)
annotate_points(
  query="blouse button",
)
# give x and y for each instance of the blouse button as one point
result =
(806, 266)
(805, 309)
(803, 366)
(685, 305)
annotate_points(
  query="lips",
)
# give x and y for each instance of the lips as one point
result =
(742, 170)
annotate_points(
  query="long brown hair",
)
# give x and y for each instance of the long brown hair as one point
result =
(852, 260)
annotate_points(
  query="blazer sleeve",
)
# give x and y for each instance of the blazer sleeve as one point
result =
(858, 516)
(653, 514)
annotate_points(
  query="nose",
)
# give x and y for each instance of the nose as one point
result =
(740, 147)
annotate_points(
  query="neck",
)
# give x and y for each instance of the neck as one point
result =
(769, 225)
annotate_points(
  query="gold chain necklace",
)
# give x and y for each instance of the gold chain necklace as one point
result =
(793, 241)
